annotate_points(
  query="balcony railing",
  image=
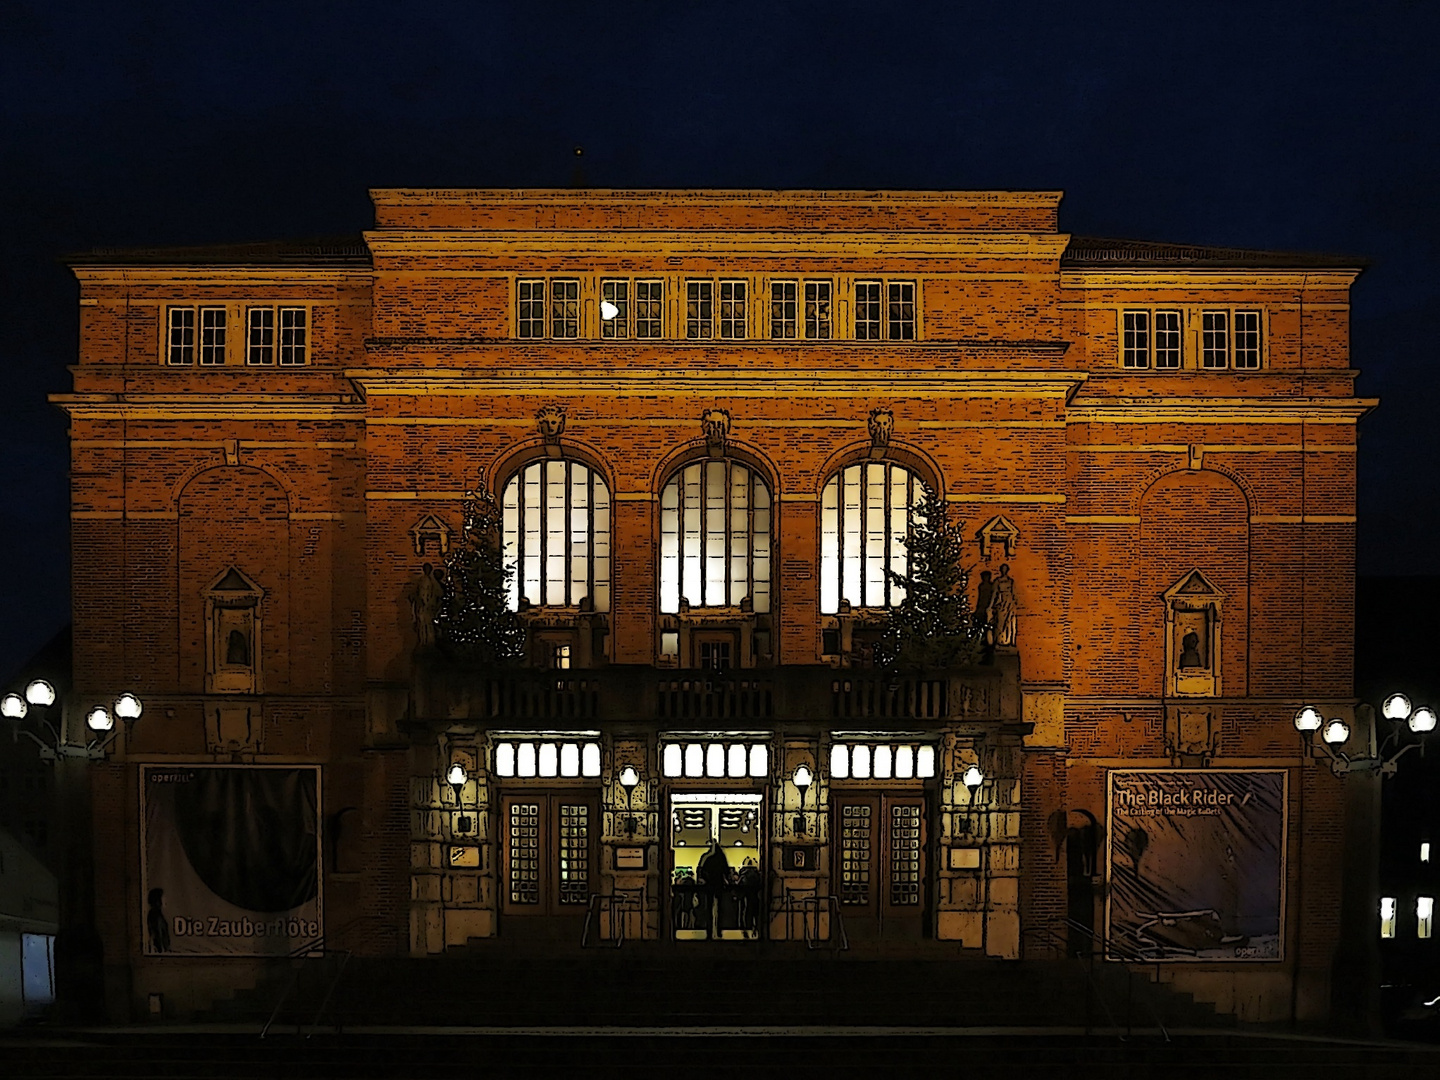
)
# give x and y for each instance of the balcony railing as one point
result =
(528, 698)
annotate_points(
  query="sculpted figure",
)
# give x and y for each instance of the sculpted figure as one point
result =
(551, 422)
(1003, 607)
(882, 425)
(425, 605)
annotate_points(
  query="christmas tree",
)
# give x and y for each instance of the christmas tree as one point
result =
(475, 621)
(933, 627)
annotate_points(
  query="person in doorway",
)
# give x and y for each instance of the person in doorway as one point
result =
(714, 875)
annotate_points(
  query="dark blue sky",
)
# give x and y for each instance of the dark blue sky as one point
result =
(1312, 126)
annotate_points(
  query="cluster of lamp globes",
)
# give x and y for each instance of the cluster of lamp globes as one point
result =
(1336, 733)
(101, 719)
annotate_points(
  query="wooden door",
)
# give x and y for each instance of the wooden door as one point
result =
(548, 852)
(878, 843)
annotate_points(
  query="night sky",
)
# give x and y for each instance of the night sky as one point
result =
(1311, 126)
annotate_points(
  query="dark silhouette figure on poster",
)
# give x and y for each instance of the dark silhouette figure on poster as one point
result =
(156, 922)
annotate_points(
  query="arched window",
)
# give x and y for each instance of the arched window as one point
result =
(864, 521)
(557, 535)
(715, 537)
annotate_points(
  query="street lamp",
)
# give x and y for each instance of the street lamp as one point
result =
(802, 779)
(100, 720)
(1382, 759)
(629, 779)
(457, 777)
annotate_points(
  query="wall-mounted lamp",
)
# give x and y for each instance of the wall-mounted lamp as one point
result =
(972, 778)
(802, 779)
(629, 780)
(1371, 758)
(457, 777)
(40, 696)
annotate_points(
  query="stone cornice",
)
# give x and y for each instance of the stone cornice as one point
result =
(705, 197)
(210, 407)
(1218, 410)
(1228, 278)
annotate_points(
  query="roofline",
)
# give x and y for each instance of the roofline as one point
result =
(718, 196)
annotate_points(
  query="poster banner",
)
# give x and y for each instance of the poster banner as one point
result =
(1196, 864)
(230, 859)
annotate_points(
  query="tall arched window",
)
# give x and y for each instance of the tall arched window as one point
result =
(557, 535)
(715, 537)
(864, 521)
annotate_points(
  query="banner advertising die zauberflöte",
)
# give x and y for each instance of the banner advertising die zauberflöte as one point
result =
(1196, 864)
(231, 859)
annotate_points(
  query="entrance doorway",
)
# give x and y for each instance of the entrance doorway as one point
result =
(717, 884)
(548, 853)
(881, 876)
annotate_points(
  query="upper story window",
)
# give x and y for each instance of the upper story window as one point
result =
(865, 512)
(733, 299)
(263, 346)
(631, 309)
(789, 321)
(530, 313)
(1230, 339)
(1151, 338)
(560, 318)
(184, 342)
(556, 534)
(699, 309)
(715, 537)
(564, 308)
(885, 310)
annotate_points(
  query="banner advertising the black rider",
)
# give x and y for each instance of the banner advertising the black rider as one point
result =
(230, 859)
(1195, 863)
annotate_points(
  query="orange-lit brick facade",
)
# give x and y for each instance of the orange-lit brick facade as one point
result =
(989, 360)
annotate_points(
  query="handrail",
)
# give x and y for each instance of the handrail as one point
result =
(625, 900)
(306, 952)
(1125, 956)
(788, 905)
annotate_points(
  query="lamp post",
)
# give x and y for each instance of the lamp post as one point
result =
(79, 952)
(629, 779)
(1355, 972)
(457, 778)
(802, 779)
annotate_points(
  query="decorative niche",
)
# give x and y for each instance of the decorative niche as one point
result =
(232, 634)
(1192, 636)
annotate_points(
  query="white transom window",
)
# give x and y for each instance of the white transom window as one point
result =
(556, 535)
(865, 515)
(882, 761)
(715, 537)
(547, 758)
(715, 758)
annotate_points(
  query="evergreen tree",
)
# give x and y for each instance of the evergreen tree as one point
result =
(475, 621)
(933, 627)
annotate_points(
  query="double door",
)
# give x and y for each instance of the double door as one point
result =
(880, 872)
(548, 852)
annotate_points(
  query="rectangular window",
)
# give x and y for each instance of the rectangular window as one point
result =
(699, 309)
(1425, 851)
(181, 345)
(614, 309)
(783, 305)
(294, 335)
(530, 316)
(867, 311)
(901, 323)
(1387, 916)
(1215, 339)
(733, 323)
(1137, 339)
(1424, 915)
(564, 309)
(1167, 339)
(1247, 339)
(260, 336)
(817, 310)
(212, 335)
(649, 309)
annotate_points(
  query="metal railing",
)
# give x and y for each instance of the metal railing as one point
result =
(301, 957)
(618, 906)
(808, 909)
(1093, 988)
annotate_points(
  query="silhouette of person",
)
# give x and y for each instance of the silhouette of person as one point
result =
(714, 875)
(1190, 650)
(237, 649)
(156, 922)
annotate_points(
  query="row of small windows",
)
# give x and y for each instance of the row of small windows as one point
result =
(799, 310)
(1424, 916)
(1227, 339)
(200, 334)
(715, 536)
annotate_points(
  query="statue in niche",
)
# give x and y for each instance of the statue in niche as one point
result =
(425, 604)
(1002, 608)
(882, 426)
(237, 649)
(1190, 651)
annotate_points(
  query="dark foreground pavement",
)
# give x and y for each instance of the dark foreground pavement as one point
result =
(221, 1052)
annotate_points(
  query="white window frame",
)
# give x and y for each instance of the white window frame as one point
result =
(532, 312)
(181, 335)
(863, 531)
(1153, 346)
(785, 309)
(819, 285)
(889, 292)
(868, 759)
(717, 757)
(556, 533)
(564, 309)
(733, 299)
(699, 309)
(716, 522)
(525, 757)
(615, 291)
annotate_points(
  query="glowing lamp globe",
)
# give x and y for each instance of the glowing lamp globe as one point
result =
(629, 778)
(1396, 707)
(13, 707)
(128, 707)
(1336, 733)
(973, 778)
(40, 692)
(1308, 719)
(99, 720)
(803, 777)
(457, 775)
(1422, 720)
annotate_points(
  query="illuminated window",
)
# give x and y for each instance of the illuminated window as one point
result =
(881, 761)
(1425, 851)
(733, 316)
(560, 656)
(556, 533)
(715, 537)
(715, 758)
(546, 758)
(1424, 914)
(699, 309)
(564, 309)
(864, 522)
(1387, 916)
